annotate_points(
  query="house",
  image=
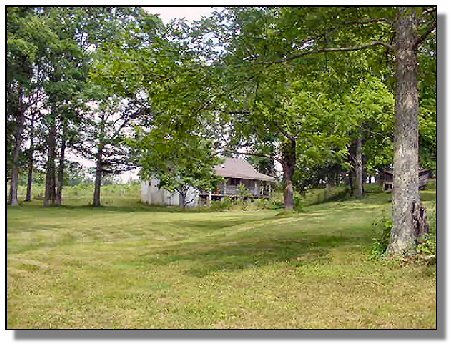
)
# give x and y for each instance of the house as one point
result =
(235, 172)
(387, 177)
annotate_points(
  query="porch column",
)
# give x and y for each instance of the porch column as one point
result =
(256, 190)
(225, 186)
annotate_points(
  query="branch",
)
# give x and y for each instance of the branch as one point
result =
(368, 21)
(285, 133)
(429, 10)
(239, 112)
(189, 201)
(337, 49)
(422, 38)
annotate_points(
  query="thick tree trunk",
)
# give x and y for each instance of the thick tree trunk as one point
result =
(59, 190)
(358, 183)
(30, 161)
(50, 189)
(14, 183)
(288, 165)
(98, 178)
(408, 215)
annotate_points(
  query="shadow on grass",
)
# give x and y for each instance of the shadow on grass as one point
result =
(206, 258)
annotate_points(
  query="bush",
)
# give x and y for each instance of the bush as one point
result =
(276, 205)
(428, 246)
(221, 205)
(298, 206)
(381, 229)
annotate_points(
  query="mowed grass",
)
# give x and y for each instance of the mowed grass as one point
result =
(145, 267)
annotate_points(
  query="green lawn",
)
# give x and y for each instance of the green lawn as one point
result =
(141, 267)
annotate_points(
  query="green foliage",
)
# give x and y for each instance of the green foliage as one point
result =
(243, 191)
(298, 203)
(370, 109)
(216, 84)
(178, 160)
(221, 205)
(381, 235)
(427, 247)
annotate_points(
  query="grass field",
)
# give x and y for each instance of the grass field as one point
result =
(127, 265)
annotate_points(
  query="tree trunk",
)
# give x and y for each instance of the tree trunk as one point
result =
(59, 190)
(20, 115)
(408, 215)
(30, 160)
(182, 198)
(14, 179)
(288, 165)
(350, 181)
(358, 185)
(50, 189)
(351, 172)
(98, 179)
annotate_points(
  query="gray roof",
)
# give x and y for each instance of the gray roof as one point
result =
(421, 171)
(240, 168)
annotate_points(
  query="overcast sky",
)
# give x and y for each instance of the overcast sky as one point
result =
(189, 13)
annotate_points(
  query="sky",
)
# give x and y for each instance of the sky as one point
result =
(189, 13)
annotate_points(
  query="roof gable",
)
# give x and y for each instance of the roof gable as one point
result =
(240, 168)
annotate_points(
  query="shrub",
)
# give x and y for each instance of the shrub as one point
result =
(221, 205)
(298, 206)
(428, 246)
(262, 204)
(276, 205)
(381, 229)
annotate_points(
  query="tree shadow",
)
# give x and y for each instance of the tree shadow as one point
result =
(136, 207)
(249, 252)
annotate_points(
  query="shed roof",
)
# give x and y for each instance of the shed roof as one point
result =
(240, 168)
(421, 171)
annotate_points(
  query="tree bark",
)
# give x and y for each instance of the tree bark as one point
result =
(358, 183)
(59, 188)
(351, 172)
(288, 165)
(99, 162)
(98, 178)
(407, 210)
(182, 198)
(50, 189)
(30, 160)
(14, 183)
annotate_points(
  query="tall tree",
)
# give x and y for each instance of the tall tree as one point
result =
(179, 160)
(107, 124)
(283, 106)
(369, 109)
(65, 67)
(400, 31)
(28, 37)
(408, 214)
